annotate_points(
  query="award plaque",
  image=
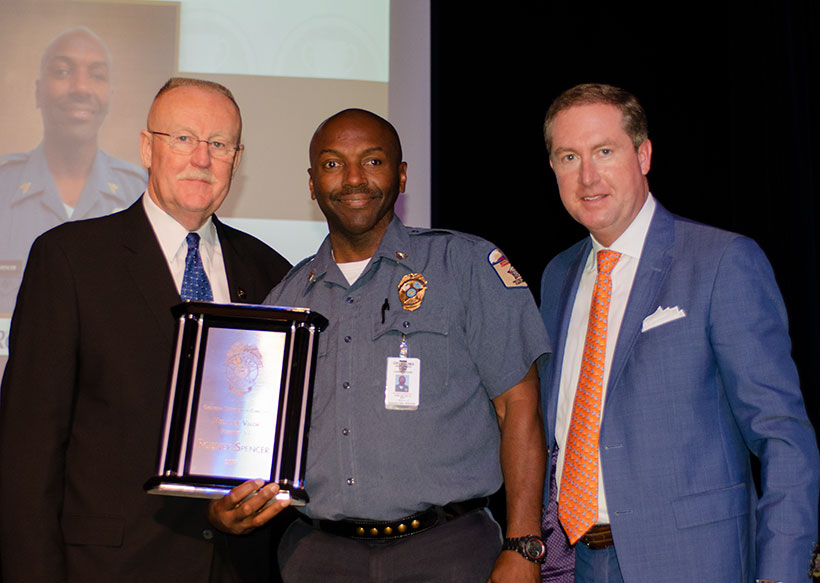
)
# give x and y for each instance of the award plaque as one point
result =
(239, 400)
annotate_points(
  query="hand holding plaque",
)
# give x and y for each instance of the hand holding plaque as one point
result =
(246, 507)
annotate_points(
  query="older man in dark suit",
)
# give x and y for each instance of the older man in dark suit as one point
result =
(91, 341)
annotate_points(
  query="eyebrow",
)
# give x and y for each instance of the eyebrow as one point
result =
(54, 59)
(599, 145)
(338, 153)
(605, 144)
(219, 136)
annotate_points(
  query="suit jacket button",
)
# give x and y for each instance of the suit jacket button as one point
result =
(207, 534)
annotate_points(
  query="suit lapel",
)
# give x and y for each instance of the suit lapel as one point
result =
(234, 263)
(653, 269)
(147, 266)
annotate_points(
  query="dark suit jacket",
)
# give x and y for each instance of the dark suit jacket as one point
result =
(81, 407)
(688, 399)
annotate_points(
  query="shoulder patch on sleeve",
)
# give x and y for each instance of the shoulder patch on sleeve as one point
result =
(509, 275)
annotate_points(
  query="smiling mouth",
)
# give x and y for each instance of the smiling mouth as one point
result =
(80, 112)
(357, 201)
(594, 197)
(357, 198)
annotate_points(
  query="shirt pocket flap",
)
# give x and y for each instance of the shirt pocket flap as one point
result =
(405, 322)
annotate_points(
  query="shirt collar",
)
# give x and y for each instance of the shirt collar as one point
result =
(36, 178)
(171, 235)
(631, 241)
(394, 247)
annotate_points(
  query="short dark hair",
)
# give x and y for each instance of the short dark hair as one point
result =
(74, 31)
(634, 121)
(353, 112)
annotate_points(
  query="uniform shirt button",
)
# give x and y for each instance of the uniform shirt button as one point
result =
(348, 339)
(406, 324)
(351, 481)
(345, 385)
(345, 431)
(349, 300)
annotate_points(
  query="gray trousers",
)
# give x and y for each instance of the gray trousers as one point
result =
(461, 550)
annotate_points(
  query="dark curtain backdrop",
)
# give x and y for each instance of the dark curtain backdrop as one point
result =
(732, 100)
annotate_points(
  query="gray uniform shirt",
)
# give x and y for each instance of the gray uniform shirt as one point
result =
(30, 205)
(476, 332)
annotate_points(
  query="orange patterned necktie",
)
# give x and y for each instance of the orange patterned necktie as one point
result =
(578, 502)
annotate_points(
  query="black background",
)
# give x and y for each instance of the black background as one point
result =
(733, 115)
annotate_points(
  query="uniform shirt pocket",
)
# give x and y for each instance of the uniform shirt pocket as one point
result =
(427, 335)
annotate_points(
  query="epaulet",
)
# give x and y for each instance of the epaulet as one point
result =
(125, 167)
(421, 231)
(12, 159)
(296, 268)
(418, 231)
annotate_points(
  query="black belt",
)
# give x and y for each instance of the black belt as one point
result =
(598, 537)
(381, 530)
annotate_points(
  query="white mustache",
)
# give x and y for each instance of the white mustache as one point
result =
(204, 175)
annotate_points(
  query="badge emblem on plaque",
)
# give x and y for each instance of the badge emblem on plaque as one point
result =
(242, 363)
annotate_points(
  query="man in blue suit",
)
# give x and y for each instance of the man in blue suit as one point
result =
(696, 375)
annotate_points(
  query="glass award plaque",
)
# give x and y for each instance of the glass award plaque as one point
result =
(239, 400)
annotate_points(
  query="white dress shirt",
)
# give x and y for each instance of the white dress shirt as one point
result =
(629, 245)
(171, 236)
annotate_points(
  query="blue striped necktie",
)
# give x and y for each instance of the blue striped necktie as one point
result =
(195, 284)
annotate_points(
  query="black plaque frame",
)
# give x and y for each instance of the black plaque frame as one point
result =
(195, 320)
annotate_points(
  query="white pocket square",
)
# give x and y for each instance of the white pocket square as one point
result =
(662, 316)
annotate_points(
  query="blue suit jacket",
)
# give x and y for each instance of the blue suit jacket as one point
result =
(686, 403)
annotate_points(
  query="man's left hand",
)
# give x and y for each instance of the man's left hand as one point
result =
(510, 567)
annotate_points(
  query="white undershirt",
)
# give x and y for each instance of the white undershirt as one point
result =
(629, 245)
(171, 236)
(353, 269)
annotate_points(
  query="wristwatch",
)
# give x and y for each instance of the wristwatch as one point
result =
(530, 546)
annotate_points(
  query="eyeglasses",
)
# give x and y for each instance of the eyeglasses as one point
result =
(187, 143)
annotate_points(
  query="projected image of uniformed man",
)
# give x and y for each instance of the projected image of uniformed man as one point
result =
(66, 177)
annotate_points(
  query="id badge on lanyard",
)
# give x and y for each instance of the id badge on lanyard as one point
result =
(403, 381)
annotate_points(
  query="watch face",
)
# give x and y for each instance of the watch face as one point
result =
(535, 548)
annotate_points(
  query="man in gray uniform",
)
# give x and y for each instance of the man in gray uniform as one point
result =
(66, 177)
(399, 469)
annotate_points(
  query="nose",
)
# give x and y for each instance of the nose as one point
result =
(354, 175)
(201, 156)
(588, 174)
(81, 82)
